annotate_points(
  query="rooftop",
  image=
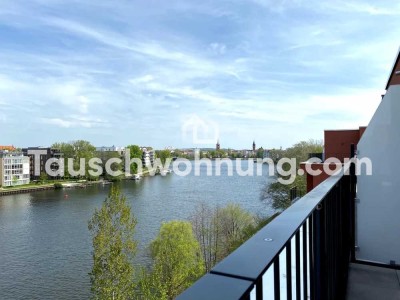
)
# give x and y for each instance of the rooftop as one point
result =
(8, 148)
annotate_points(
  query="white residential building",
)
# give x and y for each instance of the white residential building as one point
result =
(147, 157)
(120, 150)
(14, 169)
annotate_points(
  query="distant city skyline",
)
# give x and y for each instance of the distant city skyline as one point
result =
(135, 72)
(108, 147)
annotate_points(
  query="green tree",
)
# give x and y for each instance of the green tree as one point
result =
(135, 152)
(105, 156)
(66, 149)
(205, 154)
(278, 194)
(112, 228)
(260, 152)
(222, 153)
(220, 231)
(14, 180)
(83, 149)
(43, 177)
(207, 232)
(77, 150)
(177, 262)
(233, 221)
(163, 155)
(301, 150)
(276, 154)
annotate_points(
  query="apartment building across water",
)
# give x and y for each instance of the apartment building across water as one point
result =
(14, 168)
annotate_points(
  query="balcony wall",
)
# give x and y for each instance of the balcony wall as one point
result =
(378, 221)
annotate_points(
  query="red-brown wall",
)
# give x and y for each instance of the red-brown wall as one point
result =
(395, 79)
(337, 144)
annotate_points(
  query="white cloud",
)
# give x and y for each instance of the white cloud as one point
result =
(75, 122)
(218, 48)
(249, 70)
(142, 79)
(8, 84)
(362, 7)
(57, 121)
(71, 95)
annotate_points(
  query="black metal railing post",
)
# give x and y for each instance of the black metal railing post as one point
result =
(277, 283)
(293, 193)
(319, 252)
(346, 243)
(289, 270)
(259, 288)
(297, 255)
(305, 264)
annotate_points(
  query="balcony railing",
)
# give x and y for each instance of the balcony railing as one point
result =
(304, 253)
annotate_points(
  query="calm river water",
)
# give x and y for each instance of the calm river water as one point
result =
(45, 246)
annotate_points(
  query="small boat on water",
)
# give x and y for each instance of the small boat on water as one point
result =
(136, 177)
(165, 172)
(106, 182)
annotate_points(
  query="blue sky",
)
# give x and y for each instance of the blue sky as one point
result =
(123, 72)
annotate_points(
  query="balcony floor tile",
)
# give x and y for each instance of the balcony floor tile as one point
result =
(371, 283)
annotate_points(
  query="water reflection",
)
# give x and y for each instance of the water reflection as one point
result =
(45, 247)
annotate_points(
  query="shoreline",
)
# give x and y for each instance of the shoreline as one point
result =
(6, 192)
(65, 185)
(30, 189)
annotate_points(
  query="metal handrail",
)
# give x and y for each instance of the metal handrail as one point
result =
(320, 226)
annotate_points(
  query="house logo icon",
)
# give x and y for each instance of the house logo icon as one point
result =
(202, 131)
